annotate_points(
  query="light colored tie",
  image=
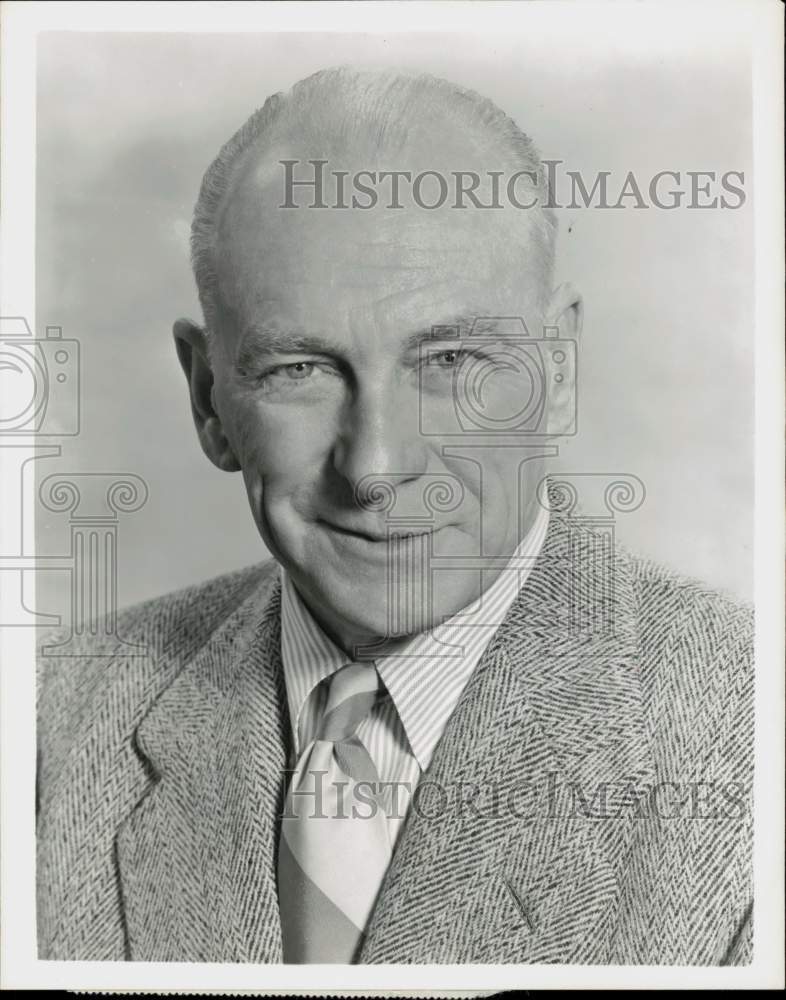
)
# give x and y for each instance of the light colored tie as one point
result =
(334, 848)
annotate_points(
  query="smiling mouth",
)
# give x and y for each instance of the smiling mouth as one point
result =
(374, 537)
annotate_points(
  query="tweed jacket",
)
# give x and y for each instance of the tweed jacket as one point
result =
(588, 802)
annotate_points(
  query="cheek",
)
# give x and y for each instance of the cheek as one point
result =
(485, 474)
(490, 479)
(498, 483)
(279, 446)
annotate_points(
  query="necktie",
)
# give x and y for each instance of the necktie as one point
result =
(334, 848)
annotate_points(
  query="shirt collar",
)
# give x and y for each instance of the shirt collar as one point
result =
(308, 655)
(427, 675)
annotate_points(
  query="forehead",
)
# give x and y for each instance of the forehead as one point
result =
(407, 264)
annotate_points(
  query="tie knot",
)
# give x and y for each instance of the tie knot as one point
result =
(352, 694)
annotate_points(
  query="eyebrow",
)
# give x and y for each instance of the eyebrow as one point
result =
(259, 341)
(462, 323)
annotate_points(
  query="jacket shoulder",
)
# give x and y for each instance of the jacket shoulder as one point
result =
(681, 612)
(173, 618)
(696, 646)
(117, 675)
(682, 594)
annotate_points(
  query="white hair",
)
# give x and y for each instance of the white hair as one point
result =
(339, 105)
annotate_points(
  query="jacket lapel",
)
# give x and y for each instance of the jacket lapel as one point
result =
(517, 847)
(197, 855)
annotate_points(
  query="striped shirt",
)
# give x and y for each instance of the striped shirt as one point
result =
(424, 678)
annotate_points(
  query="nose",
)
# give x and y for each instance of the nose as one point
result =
(380, 437)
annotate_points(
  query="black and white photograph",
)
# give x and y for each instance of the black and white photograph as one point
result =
(392, 414)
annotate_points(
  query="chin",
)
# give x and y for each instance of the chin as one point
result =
(379, 609)
(355, 590)
(369, 611)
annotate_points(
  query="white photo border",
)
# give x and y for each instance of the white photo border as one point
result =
(756, 24)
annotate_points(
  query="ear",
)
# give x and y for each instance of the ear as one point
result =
(565, 312)
(192, 352)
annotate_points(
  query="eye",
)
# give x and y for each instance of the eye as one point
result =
(297, 377)
(298, 370)
(292, 371)
(448, 358)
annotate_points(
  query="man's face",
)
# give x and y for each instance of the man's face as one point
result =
(328, 379)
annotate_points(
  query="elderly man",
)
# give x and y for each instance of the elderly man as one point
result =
(437, 727)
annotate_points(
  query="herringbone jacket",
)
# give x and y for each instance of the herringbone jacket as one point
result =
(589, 801)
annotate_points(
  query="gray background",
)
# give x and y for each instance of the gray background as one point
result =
(128, 123)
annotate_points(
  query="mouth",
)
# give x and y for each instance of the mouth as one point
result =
(373, 536)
